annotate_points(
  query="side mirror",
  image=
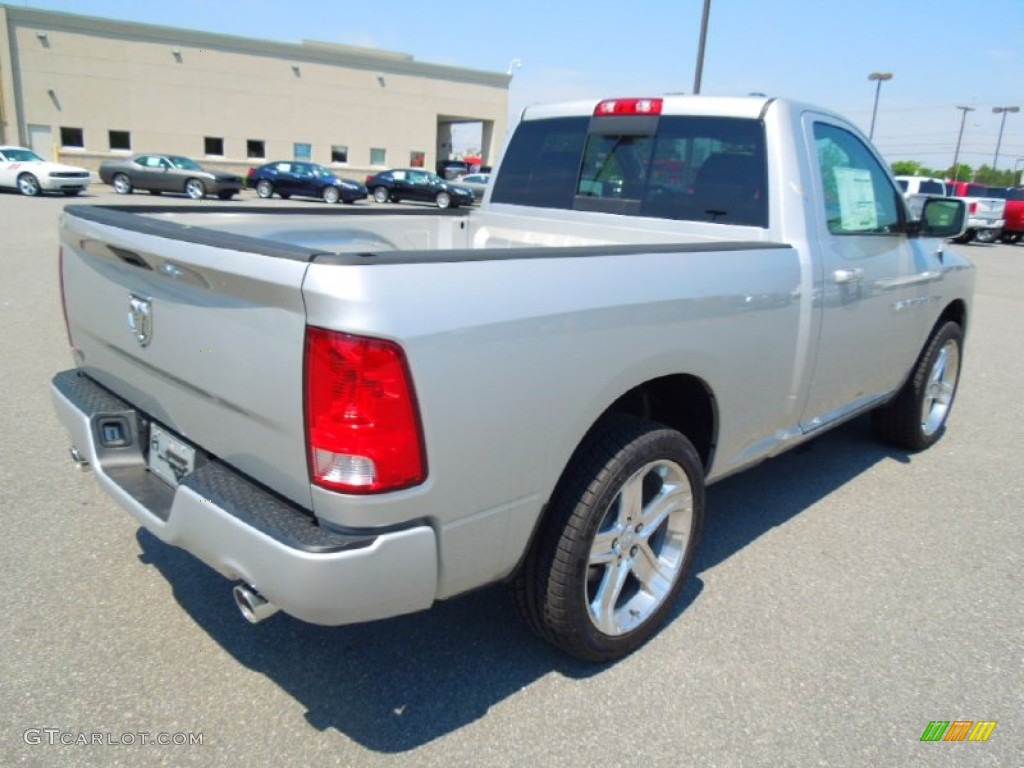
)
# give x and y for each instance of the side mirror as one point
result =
(942, 217)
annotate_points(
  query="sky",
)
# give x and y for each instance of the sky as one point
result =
(940, 53)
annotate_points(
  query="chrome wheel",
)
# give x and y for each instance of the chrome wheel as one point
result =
(29, 185)
(194, 188)
(264, 189)
(122, 184)
(916, 418)
(617, 541)
(443, 200)
(638, 551)
(940, 388)
(331, 195)
(380, 194)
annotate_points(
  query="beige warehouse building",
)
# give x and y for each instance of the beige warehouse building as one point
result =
(83, 90)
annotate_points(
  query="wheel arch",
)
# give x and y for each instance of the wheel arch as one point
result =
(681, 401)
(955, 311)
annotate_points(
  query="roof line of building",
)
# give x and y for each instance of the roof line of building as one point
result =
(386, 62)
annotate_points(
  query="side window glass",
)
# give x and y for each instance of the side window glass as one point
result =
(859, 198)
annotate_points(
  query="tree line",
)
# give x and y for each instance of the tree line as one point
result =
(962, 172)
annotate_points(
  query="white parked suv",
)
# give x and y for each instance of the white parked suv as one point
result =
(24, 170)
(917, 189)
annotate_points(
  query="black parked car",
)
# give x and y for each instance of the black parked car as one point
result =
(290, 177)
(417, 184)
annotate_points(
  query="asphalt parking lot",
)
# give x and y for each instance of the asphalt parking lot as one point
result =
(846, 595)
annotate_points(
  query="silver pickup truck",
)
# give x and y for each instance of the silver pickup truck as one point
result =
(356, 414)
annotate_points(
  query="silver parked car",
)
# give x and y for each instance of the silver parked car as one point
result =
(476, 182)
(168, 173)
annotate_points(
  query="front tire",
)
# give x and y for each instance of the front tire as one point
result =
(28, 185)
(122, 184)
(443, 200)
(380, 194)
(916, 418)
(195, 189)
(619, 539)
(331, 195)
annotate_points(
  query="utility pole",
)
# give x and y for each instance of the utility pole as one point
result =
(1005, 111)
(956, 155)
(700, 48)
(879, 78)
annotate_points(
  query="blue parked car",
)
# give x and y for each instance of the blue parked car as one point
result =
(291, 177)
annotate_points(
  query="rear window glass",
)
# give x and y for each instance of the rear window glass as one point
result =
(932, 188)
(686, 168)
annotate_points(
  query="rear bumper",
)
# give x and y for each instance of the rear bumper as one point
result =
(244, 531)
(979, 222)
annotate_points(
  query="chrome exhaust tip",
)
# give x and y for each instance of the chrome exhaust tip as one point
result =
(78, 458)
(254, 606)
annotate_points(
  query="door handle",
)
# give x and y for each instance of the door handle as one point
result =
(846, 276)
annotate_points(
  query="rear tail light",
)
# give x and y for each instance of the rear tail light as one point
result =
(362, 423)
(973, 208)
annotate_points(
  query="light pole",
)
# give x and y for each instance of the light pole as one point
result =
(879, 78)
(514, 64)
(956, 155)
(1002, 124)
(700, 48)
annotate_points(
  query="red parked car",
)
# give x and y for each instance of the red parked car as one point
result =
(1013, 229)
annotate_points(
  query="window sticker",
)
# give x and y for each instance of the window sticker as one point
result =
(857, 209)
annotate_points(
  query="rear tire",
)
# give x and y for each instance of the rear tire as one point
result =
(380, 194)
(986, 235)
(264, 189)
(122, 184)
(916, 418)
(618, 541)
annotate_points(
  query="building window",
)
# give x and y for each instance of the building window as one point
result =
(378, 156)
(72, 138)
(256, 148)
(120, 141)
(213, 145)
(417, 159)
(303, 151)
(339, 154)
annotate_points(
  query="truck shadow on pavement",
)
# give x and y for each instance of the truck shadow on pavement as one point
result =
(395, 685)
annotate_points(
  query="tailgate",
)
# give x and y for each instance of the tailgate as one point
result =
(989, 208)
(216, 352)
